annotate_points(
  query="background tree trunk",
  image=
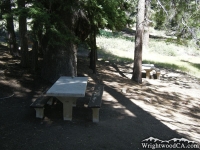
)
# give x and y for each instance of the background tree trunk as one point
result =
(10, 28)
(137, 69)
(93, 54)
(60, 61)
(146, 25)
(34, 56)
(23, 35)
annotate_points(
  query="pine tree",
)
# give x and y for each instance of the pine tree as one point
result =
(137, 69)
(23, 33)
(7, 14)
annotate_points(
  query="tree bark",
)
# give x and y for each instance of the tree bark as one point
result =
(60, 58)
(60, 61)
(137, 69)
(34, 56)
(10, 28)
(23, 36)
(93, 54)
(146, 25)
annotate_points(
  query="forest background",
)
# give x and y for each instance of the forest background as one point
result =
(54, 30)
(48, 39)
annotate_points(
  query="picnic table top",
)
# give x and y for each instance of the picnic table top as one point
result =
(68, 87)
(147, 65)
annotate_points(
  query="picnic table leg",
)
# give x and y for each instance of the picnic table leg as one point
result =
(158, 75)
(67, 107)
(39, 112)
(95, 114)
(74, 102)
(148, 74)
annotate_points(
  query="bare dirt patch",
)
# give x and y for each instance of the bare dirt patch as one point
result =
(174, 99)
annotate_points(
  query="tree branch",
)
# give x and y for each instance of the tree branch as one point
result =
(191, 31)
(162, 7)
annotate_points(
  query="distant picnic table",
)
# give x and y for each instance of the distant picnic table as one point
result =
(150, 69)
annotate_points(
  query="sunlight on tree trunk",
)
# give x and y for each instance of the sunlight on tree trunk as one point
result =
(137, 69)
(146, 25)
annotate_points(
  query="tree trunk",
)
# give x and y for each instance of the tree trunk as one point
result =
(23, 36)
(146, 25)
(93, 54)
(34, 56)
(60, 61)
(60, 58)
(10, 28)
(137, 69)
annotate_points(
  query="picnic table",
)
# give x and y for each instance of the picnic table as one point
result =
(67, 90)
(150, 67)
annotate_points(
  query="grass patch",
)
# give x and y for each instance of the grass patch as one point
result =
(109, 56)
(120, 35)
(115, 45)
(161, 53)
(163, 48)
(166, 65)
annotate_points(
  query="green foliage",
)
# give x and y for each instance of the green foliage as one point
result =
(106, 13)
(56, 19)
(49, 21)
(180, 18)
(109, 34)
(159, 19)
(5, 9)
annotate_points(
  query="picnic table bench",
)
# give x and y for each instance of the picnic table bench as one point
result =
(95, 102)
(39, 104)
(148, 68)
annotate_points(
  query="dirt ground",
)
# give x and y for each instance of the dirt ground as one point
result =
(165, 109)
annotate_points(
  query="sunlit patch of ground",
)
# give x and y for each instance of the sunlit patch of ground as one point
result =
(174, 99)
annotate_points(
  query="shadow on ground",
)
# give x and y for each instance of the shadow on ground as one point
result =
(123, 122)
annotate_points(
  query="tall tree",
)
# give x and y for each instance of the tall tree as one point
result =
(8, 16)
(60, 58)
(23, 33)
(63, 23)
(147, 24)
(57, 27)
(137, 69)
